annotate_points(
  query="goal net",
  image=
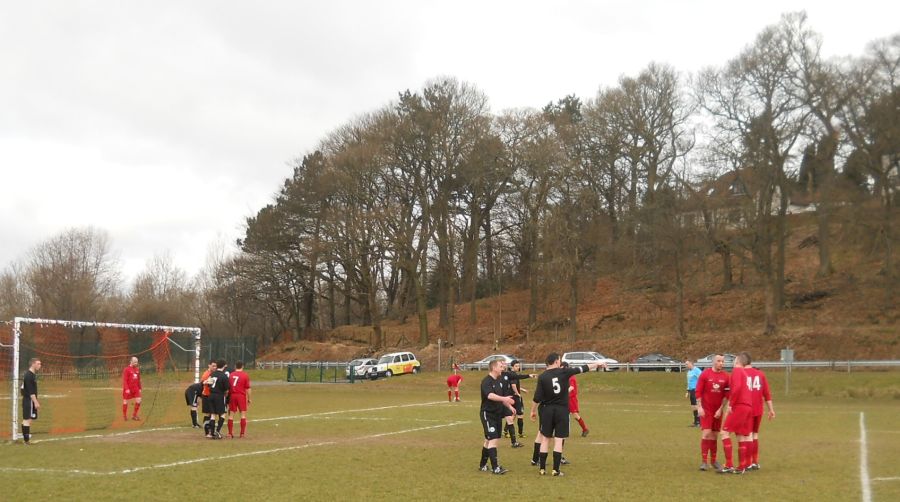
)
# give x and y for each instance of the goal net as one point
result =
(80, 382)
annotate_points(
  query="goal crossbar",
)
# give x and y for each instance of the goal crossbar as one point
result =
(18, 321)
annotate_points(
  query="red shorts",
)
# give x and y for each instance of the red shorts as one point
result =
(709, 421)
(237, 402)
(131, 395)
(739, 421)
(755, 423)
(573, 405)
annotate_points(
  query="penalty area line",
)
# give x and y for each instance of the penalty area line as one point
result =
(179, 463)
(324, 414)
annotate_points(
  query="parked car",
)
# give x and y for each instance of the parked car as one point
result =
(483, 364)
(707, 362)
(661, 362)
(361, 366)
(579, 358)
(395, 363)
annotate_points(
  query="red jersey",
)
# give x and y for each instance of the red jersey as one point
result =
(240, 382)
(712, 388)
(759, 390)
(573, 394)
(131, 378)
(453, 380)
(738, 388)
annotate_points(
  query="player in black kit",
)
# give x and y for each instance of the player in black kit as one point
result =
(218, 388)
(514, 379)
(552, 395)
(493, 403)
(30, 403)
(191, 397)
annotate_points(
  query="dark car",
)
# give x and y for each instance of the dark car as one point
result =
(656, 362)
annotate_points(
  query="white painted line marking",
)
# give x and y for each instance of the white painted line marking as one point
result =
(864, 460)
(294, 417)
(886, 479)
(604, 443)
(132, 470)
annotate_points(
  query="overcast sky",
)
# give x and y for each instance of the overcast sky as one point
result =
(166, 124)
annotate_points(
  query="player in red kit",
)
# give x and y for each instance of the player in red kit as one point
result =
(740, 415)
(131, 388)
(240, 397)
(759, 389)
(453, 384)
(711, 390)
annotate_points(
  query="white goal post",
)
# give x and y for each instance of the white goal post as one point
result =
(17, 333)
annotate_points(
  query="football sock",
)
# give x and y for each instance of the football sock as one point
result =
(535, 457)
(512, 433)
(26, 433)
(581, 423)
(125, 410)
(492, 453)
(696, 417)
(543, 460)
(755, 456)
(457, 395)
(743, 451)
(713, 447)
(726, 446)
(230, 427)
(243, 426)
(137, 408)
(557, 458)
(194, 417)
(521, 423)
(221, 423)
(449, 395)
(704, 449)
(484, 457)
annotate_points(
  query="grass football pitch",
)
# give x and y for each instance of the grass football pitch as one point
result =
(400, 439)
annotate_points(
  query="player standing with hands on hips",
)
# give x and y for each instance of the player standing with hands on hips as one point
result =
(131, 388)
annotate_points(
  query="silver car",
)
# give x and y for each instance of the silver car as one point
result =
(587, 357)
(361, 366)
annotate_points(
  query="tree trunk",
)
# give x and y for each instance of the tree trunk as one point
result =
(421, 304)
(780, 250)
(727, 275)
(679, 296)
(573, 305)
(822, 219)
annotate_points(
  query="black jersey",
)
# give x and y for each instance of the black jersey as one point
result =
(491, 385)
(553, 385)
(29, 384)
(506, 380)
(194, 389)
(516, 379)
(219, 384)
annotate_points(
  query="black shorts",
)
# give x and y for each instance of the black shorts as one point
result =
(217, 404)
(491, 424)
(555, 421)
(692, 395)
(206, 407)
(29, 412)
(518, 405)
(507, 412)
(191, 398)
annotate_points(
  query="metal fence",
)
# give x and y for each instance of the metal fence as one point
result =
(833, 365)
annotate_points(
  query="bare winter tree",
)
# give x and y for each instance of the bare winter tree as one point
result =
(759, 119)
(71, 275)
